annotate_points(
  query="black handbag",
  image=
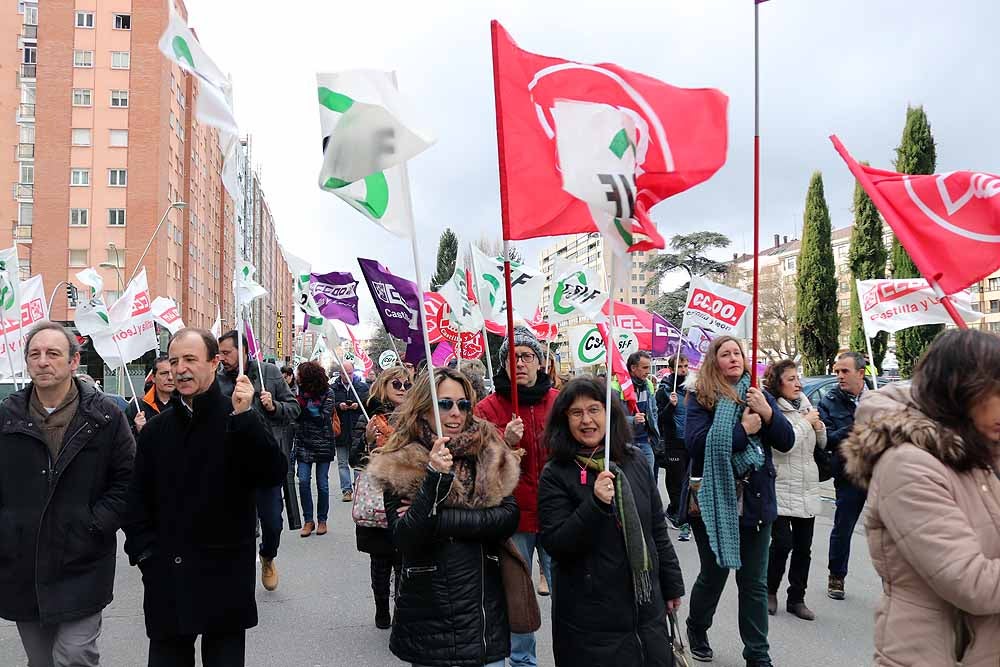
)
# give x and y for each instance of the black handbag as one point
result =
(824, 463)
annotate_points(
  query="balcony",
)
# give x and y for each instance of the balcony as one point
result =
(24, 191)
(22, 233)
(25, 151)
(29, 31)
(25, 112)
(28, 71)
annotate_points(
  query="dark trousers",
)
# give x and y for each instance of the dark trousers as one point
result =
(751, 579)
(850, 503)
(269, 506)
(381, 568)
(790, 535)
(673, 477)
(217, 650)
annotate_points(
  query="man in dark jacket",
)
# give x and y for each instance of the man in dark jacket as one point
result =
(836, 409)
(349, 409)
(156, 399)
(273, 401)
(57, 528)
(672, 411)
(192, 518)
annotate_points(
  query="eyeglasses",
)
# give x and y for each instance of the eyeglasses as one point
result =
(525, 357)
(577, 414)
(400, 385)
(446, 404)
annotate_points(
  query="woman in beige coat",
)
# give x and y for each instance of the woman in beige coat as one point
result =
(928, 455)
(796, 487)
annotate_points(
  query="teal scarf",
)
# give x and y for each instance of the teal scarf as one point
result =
(717, 496)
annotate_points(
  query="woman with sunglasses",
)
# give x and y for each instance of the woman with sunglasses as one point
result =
(616, 573)
(387, 394)
(449, 506)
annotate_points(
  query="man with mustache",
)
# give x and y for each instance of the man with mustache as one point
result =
(197, 462)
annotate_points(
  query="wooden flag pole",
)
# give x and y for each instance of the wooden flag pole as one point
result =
(756, 189)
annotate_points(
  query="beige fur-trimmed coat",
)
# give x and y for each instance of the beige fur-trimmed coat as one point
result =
(933, 535)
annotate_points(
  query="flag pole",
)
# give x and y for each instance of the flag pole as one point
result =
(948, 305)
(350, 383)
(260, 371)
(677, 357)
(609, 359)
(124, 368)
(239, 331)
(486, 331)
(756, 185)
(511, 354)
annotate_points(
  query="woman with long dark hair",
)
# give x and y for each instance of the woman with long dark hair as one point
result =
(314, 444)
(616, 574)
(928, 455)
(729, 432)
(386, 396)
(449, 506)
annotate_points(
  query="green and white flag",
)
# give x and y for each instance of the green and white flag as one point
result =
(576, 292)
(9, 280)
(301, 272)
(527, 285)
(245, 287)
(463, 311)
(92, 314)
(367, 137)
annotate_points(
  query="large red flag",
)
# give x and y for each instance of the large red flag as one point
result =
(682, 137)
(949, 223)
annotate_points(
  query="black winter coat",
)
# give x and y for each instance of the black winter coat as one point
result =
(348, 418)
(286, 408)
(314, 441)
(58, 520)
(374, 541)
(595, 617)
(760, 503)
(193, 515)
(836, 410)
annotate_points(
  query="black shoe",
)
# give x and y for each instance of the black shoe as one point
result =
(760, 662)
(698, 643)
(772, 603)
(383, 620)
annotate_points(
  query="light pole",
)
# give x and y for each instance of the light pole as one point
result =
(177, 205)
(114, 265)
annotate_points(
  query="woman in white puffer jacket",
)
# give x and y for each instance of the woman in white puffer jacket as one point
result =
(797, 488)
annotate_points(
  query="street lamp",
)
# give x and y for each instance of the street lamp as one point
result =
(177, 205)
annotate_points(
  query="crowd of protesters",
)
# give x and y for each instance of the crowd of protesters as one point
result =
(456, 492)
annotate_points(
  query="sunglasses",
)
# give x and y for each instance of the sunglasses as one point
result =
(446, 404)
(398, 385)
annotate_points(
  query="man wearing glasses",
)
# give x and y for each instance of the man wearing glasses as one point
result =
(523, 430)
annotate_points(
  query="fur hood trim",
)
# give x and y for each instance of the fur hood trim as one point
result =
(888, 418)
(498, 470)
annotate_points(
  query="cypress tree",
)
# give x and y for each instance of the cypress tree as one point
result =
(816, 285)
(446, 256)
(916, 154)
(867, 259)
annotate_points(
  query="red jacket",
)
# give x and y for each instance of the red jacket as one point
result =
(498, 410)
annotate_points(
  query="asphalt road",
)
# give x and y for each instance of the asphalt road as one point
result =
(322, 612)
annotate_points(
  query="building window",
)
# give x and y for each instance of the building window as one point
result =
(120, 60)
(994, 326)
(81, 136)
(119, 138)
(26, 213)
(79, 177)
(26, 134)
(116, 217)
(79, 217)
(85, 19)
(993, 285)
(995, 305)
(116, 257)
(118, 177)
(123, 21)
(30, 56)
(119, 99)
(83, 97)
(790, 264)
(30, 15)
(27, 173)
(83, 58)
(79, 257)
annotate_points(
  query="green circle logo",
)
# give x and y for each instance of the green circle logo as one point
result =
(591, 348)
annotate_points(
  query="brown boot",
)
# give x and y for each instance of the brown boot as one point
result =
(772, 604)
(321, 529)
(307, 529)
(801, 610)
(268, 574)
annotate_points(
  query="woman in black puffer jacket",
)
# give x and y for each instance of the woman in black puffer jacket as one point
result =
(314, 444)
(449, 506)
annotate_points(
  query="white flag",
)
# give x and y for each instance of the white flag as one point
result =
(892, 305)
(366, 165)
(718, 308)
(34, 309)
(463, 311)
(301, 271)
(246, 288)
(576, 292)
(9, 280)
(132, 331)
(527, 285)
(92, 313)
(217, 325)
(165, 314)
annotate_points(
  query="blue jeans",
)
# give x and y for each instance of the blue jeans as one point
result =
(850, 502)
(269, 506)
(522, 647)
(344, 468)
(322, 488)
(647, 451)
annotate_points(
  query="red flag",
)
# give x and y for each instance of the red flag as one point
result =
(949, 223)
(620, 371)
(682, 138)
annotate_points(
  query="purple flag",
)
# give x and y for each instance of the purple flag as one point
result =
(667, 337)
(336, 295)
(253, 349)
(399, 303)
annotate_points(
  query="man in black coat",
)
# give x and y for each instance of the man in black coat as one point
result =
(349, 410)
(672, 412)
(192, 510)
(66, 454)
(274, 401)
(836, 409)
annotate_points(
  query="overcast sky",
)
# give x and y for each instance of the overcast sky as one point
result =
(848, 67)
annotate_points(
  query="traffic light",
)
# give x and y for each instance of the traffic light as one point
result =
(72, 294)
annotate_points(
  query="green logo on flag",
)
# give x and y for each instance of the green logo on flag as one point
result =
(182, 50)
(557, 300)
(591, 347)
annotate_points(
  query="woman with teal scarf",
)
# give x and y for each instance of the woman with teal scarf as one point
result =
(730, 430)
(615, 573)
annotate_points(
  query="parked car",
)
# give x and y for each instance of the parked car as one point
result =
(815, 387)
